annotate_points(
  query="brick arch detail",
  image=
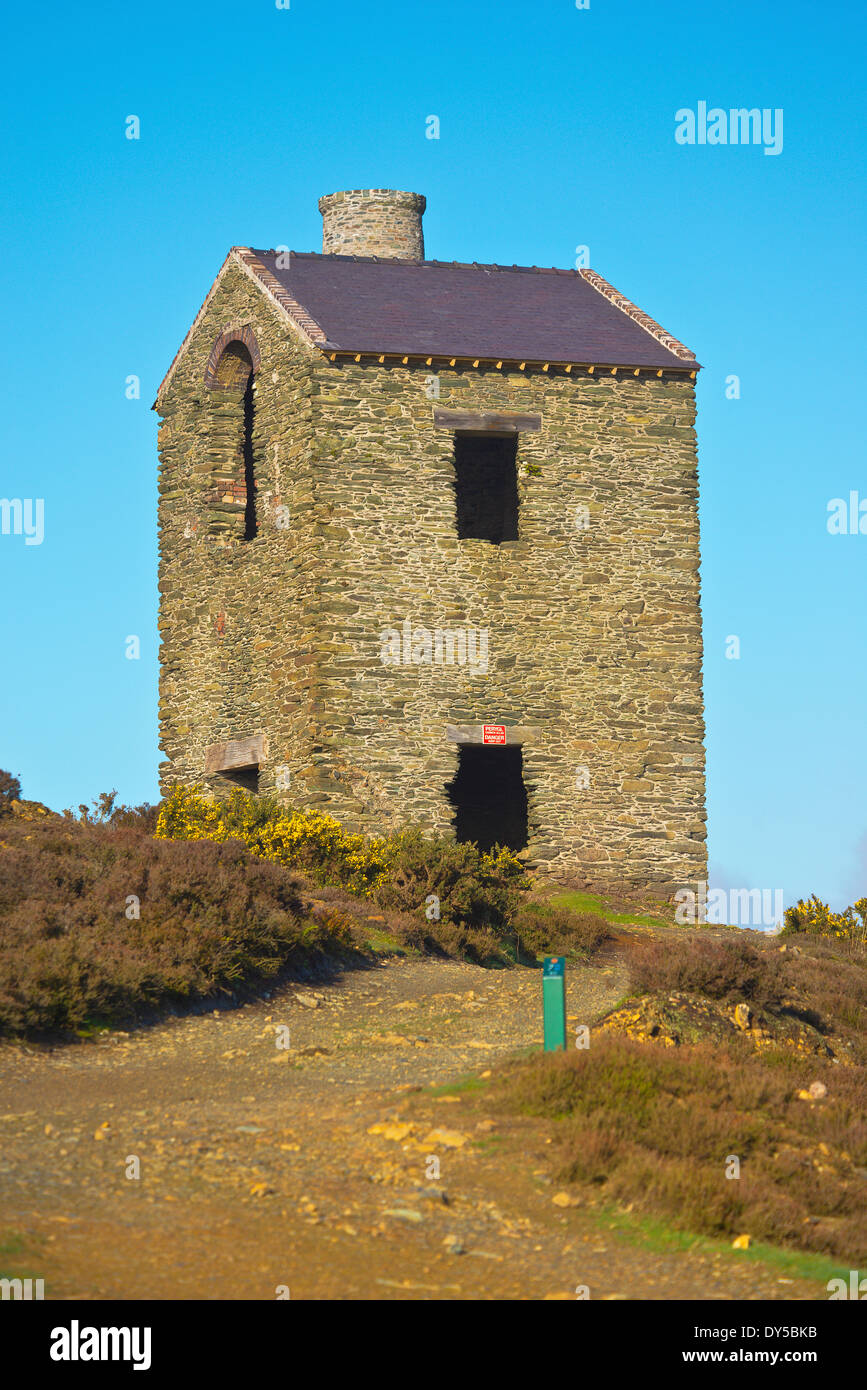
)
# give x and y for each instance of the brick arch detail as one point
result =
(243, 335)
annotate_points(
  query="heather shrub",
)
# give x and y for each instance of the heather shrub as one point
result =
(143, 818)
(729, 971)
(828, 977)
(543, 929)
(651, 1127)
(102, 922)
(104, 810)
(122, 817)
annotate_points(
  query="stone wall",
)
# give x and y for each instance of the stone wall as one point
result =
(237, 616)
(593, 631)
(594, 634)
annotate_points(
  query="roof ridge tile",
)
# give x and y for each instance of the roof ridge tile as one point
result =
(402, 260)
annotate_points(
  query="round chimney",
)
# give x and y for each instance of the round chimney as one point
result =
(373, 222)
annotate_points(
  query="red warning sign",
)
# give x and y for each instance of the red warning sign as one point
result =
(493, 733)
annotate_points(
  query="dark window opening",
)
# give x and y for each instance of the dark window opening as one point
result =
(486, 487)
(235, 372)
(249, 474)
(489, 796)
(246, 777)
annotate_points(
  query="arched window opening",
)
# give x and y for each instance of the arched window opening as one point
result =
(232, 366)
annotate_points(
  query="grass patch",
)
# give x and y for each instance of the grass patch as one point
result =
(489, 1143)
(10, 1245)
(463, 1085)
(17, 1254)
(590, 902)
(383, 943)
(662, 1238)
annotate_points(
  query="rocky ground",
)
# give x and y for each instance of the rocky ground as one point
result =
(311, 1142)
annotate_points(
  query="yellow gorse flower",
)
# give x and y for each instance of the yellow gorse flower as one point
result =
(296, 839)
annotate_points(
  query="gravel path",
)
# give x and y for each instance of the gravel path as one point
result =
(288, 1144)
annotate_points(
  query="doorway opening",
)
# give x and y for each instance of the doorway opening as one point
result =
(489, 796)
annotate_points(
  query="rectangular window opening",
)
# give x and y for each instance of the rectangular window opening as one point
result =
(486, 487)
(489, 796)
(245, 777)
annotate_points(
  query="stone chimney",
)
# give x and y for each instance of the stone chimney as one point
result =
(373, 222)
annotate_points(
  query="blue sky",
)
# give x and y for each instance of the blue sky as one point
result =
(556, 130)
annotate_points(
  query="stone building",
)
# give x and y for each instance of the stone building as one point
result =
(429, 551)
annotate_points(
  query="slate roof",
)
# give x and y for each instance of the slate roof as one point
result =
(514, 314)
(446, 308)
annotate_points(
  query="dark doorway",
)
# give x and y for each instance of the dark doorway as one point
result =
(486, 487)
(489, 796)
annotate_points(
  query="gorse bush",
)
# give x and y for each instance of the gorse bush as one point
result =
(10, 790)
(449, 881)
(308, 840)
(400, 872)
(816, 919)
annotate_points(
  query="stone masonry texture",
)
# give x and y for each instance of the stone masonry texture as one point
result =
(594, 630)
(373, 222)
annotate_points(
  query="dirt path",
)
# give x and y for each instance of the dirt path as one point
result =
(258, 1167)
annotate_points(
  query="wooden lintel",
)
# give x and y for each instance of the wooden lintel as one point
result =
(495, 421)
(235, 753)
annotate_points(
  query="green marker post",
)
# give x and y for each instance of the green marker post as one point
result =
(554, 1003)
